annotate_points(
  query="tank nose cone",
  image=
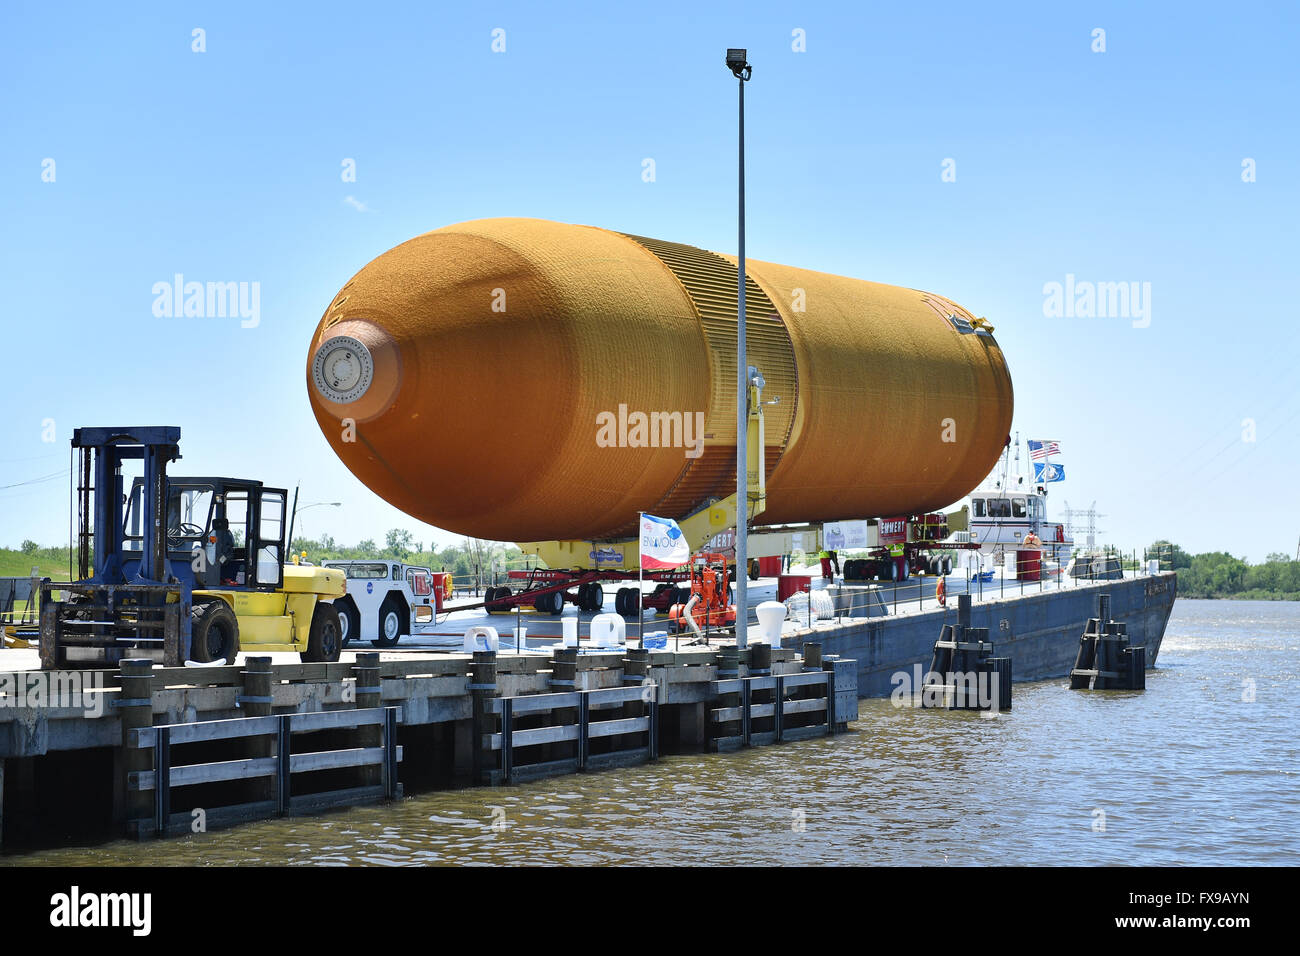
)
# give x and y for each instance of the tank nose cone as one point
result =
(356, 369)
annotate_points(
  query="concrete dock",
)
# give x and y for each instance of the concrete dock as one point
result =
(156, 750)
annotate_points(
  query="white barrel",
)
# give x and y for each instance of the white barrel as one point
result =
(569, 630)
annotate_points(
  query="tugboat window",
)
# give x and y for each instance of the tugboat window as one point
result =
(1018, 509)
(977, 505)
(999, 508)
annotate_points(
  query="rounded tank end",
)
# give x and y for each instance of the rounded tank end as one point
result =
(355, 370)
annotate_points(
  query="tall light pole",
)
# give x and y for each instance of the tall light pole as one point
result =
(294, 517)
(740, 68)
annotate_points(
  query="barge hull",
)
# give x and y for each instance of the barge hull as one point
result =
(1040, 632)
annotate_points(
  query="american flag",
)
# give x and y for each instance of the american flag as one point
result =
(1041, 449)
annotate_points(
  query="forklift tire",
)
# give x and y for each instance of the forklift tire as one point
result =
(390, 624)
(324, 640)
(214, 632)
(349, 621)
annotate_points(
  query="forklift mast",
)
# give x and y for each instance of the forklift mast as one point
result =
(108, 609)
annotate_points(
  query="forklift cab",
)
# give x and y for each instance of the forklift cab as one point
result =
(221, 532)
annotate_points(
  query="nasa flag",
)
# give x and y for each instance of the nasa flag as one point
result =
(1048, 472)
(662, 543)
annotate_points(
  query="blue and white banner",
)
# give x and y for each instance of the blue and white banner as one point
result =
(1048, 472)
(662, 544)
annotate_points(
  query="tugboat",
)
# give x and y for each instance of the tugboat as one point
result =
(1005, 510)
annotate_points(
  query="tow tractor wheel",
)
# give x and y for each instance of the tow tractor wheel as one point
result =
(214, 632)
(349, 621)
(324, 642)
(390, 625)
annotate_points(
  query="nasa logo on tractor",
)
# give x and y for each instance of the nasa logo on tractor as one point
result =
(370, 587)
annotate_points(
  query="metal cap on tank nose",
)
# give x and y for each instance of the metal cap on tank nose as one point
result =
(342, 369)
(355, 372)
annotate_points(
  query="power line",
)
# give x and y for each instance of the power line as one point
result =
(34, 481)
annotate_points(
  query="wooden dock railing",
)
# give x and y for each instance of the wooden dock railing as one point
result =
(280, 767)
(576, 718)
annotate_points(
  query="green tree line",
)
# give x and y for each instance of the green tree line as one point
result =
(470, 560)
(1217, 574)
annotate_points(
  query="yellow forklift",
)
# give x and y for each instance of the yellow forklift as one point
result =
(185, 569)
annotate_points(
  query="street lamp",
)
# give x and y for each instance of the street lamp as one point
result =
(296, 508)
(740, 68)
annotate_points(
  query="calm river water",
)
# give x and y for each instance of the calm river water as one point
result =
(1192, 771)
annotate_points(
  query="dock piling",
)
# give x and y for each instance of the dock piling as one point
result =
(483, 687)
(255, 701)
(369, 692)
(135, 709)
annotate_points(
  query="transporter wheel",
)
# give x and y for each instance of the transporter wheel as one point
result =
(904, 569)
(324, 642)
(390, 624)
(214, 632)
(544, 603)
(349, 621)
(596, 597)
(885, 570)
(947, 566)
(753, 569)
(584, 599)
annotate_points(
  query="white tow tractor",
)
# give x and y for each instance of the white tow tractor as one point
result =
(385, 600)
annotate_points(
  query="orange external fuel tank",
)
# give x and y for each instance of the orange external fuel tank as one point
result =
(528, 380)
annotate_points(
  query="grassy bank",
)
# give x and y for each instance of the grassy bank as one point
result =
(51, 563)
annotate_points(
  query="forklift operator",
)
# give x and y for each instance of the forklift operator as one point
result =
(225, 550)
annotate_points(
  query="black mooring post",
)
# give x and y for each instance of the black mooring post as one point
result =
(162, 780)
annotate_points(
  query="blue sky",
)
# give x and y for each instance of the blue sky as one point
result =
(1115, 166)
